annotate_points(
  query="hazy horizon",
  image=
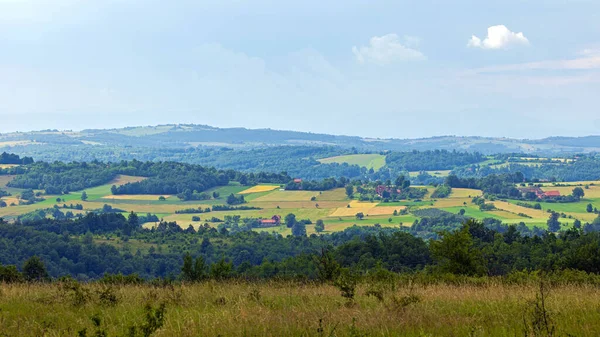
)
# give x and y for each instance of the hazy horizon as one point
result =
(382, 69)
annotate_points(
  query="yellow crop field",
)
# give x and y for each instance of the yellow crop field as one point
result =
(384, 210)
(10, 200)
(465, 193)
(259, 188)
(298, 204)
(4, 166)
(144, 197)
(516, 209)
(288, 196)
(355, 207)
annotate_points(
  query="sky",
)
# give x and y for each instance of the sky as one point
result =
(387, 69)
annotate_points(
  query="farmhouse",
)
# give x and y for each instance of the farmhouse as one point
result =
(382, 188)
(539, 192)
(274, 221)
(550, 194)
(297, 180)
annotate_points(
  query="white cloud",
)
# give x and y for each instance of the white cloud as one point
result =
(387, 49)
(498, 37)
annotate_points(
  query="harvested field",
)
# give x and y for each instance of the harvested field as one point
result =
(465, 193)
(288, 196)
(516, 209)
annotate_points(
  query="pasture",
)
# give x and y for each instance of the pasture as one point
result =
(370, 161)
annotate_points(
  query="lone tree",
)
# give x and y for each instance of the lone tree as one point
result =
(349, 191)
(290, 220)
(360, 215)
(319, 226)
(553, 223)
(578, 192)
(590, 208)
(299, 229)
(84, 196)
(34, 270)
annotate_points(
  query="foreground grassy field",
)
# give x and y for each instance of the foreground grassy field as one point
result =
(296, 309)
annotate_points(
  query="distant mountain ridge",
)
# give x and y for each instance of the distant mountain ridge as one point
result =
(192, 135)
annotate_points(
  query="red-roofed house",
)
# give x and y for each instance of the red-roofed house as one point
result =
(550, 194)
(274, 221)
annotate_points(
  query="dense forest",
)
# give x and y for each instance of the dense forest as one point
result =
(472, 249)
(586, 167)
(10, 158)
(431, 160)
(163, 177)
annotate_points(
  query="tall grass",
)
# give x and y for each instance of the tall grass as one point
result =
(278, 308)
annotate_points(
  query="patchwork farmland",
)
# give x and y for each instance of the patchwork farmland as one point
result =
(334, 207)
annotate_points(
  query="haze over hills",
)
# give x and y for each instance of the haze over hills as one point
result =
(191, 135)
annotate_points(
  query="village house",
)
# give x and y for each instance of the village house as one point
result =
(275, 220)
(541, 194)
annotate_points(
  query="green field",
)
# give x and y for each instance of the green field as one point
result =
(370, 161)
(330, 206)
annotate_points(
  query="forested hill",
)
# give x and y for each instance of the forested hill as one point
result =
(189, 135)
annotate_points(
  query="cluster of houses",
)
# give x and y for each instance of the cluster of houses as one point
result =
(539, 192)
(382, 188)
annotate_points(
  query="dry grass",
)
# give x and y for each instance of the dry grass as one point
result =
(591, 192)
(259, 188)
(338, 194)
(451, 202)
(465, 193)
(384, 210)
(516, 209)
(355, 207)
(293, 309)
(288, 196)
(123, 179)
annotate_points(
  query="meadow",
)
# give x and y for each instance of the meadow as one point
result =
(370, 161)
(285, 308)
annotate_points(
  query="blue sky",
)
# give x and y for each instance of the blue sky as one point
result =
(402, 69)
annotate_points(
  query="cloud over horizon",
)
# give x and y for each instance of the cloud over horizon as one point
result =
(498, 37)
(386, 49)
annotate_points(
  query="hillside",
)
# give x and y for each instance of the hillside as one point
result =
(189, 135)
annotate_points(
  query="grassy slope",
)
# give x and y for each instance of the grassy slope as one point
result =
(292, 309)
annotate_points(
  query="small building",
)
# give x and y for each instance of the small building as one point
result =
(274, 221)
(539, 192)
(297, 180)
